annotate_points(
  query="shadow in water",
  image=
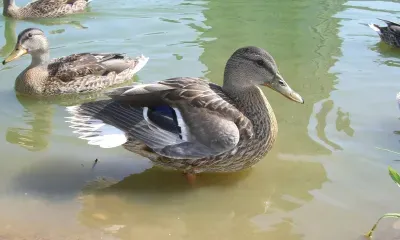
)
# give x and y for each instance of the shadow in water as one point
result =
(159, 203)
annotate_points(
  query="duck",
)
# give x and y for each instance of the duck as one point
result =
(389, 34)
(191, 124)
(43, 8)
(72, 74)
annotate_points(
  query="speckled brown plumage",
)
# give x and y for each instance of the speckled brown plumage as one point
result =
(190, 124)
(248, 151)
(44, 8)
(76, 73)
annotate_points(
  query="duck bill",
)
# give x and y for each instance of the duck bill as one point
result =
(16, 53)
(285, 89)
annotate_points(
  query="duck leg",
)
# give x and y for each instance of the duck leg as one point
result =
(190, 177)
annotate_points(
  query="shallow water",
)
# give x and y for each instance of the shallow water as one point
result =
(326, 177)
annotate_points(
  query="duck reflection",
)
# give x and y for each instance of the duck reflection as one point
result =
(321, 117)
(10, 37)
(38, 117)
(343, 122)
(59, 21)
(157, 204)
(10, 34)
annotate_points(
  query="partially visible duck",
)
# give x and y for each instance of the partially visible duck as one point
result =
(44, 8)
(389, 34)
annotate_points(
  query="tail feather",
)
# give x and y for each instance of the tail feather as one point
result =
(389, 23)
(141, 61)
(375, 28)
(95, 131)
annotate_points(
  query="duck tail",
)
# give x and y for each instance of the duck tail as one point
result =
(140, 62)
(389, 23)
(375, 27)
(85, 123)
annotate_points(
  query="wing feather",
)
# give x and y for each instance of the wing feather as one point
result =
(214, 124)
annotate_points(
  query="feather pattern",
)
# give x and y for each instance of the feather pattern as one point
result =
(191, 124)
(78, 73)
(188, 112)
(44, 8)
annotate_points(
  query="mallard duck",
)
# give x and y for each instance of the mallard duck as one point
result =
(76, 73)
(43, 8)
(191, 124)
(389, 34)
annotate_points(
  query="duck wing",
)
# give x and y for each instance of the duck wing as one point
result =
(79, 65)
(46, 5)
(185, 118)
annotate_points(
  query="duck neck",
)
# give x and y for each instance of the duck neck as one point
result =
(40, 59)
(252, 102)
(9, 8)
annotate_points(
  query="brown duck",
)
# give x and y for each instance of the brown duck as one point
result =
(44, 8)
(190, 124)
(76, 73)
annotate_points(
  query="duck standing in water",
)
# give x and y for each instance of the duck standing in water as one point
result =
(389, 34)
(44, 8)
(76, 73)
(190, 124)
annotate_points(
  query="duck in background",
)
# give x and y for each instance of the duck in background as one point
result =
(389, 34)
(76, 73)
(44, 8)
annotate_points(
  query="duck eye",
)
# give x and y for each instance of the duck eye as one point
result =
(282, 83)
(30, 35)
(260, 63)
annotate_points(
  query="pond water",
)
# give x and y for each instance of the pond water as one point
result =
(325, 178)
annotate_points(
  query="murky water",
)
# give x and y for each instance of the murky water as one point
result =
(325, 178)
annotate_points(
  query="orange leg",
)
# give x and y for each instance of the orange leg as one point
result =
(191, 177)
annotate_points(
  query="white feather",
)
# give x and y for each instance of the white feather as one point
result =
(375, 28)
(142, 60)
(145, 112)
(181, 123)
(95, 131)
(398, 99)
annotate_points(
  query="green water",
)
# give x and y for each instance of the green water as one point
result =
(325, 177)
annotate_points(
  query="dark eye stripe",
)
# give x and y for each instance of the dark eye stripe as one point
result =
(24, 38)
(267, 66)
